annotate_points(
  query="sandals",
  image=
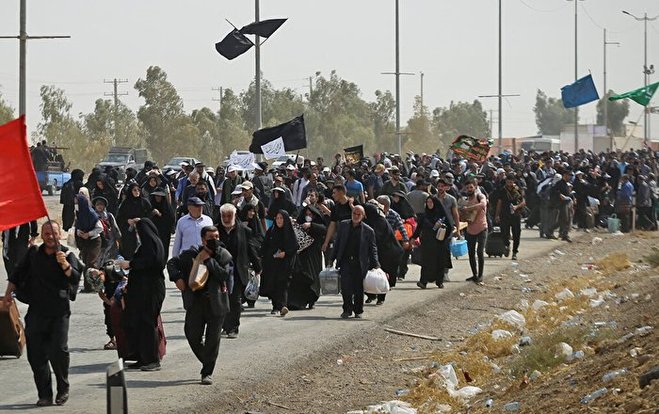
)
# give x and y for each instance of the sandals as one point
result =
(110, 346)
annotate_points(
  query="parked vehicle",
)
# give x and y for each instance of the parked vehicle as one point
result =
(175, 162)
(53, 178)
(288, 157)
(121, 158)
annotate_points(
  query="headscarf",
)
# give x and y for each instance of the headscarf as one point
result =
(283, 238)
(278, 203)
(254, 223)
(317, 216)
(402, 207)
(151, 247)
(378, 223)
(436, 213)
(86, 218)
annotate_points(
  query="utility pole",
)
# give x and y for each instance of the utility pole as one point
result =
(22, 53)
(647, 71)
(115, 93)
(221, 91)
(310, 86)
(576, 74)
(257, 82)
(422, 108)
(606, 91)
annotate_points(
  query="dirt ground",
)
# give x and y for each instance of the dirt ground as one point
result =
(355, 373)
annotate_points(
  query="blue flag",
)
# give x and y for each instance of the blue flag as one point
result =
(579, 93)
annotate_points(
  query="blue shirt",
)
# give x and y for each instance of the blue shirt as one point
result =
(354, 189)
(188, 232)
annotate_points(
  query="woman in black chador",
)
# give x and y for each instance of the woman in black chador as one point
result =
(435, 254)
(144, 296)
(134, 206)
(277, 257)
(162, 217)
(304, 289)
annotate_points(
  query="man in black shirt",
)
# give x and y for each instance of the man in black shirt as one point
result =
(561, 199)
(47, 278)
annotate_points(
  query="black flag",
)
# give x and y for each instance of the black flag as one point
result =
(233, 45)
(354, 154)
(264, 28)
(292, 133)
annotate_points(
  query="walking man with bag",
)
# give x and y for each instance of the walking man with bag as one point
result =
(206, 306)
(46, 279)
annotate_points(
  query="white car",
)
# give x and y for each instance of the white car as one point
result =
(284, 158)
(175, 163)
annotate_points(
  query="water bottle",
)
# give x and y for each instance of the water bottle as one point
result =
(489, 403)
(593, 396)
(511, 406)
(613, 375)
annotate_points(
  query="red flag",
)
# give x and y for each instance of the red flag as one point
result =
(20, 195)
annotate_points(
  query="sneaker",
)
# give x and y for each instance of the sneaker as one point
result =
(134, 365)
(223, 333)
(471, 279)
(567, 239)
(207, 380)
(514, 256)
(421, 285)
(358, 315)
(44, 402)
(273, 312)
(379, 302)
(154, 366)
(551, 237)
(368, 300)
(346, 315)
(283, 311)
(62, 398)
(232, 335)
(440, 285)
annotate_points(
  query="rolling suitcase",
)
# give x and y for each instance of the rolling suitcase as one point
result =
(12, 334)
(496, 244)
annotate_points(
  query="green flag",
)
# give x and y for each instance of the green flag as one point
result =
(640, 95)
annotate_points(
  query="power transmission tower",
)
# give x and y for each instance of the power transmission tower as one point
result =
(22, 53)
(115, 93)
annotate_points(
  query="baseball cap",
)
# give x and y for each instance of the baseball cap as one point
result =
(434, 173)
(195, 201)
(246, 185)
(232, 168)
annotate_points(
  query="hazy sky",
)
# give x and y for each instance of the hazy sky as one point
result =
(453, 42)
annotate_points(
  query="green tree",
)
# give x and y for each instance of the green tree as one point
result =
(459, 118)
(207, 123)
(618, 111)
(6, 111)
(419, 136)
(233, 132)
(550, 114)
(277, 105)
(161, 113)
(382, 113)
(118, 124)
(65, 133)
(338, 117)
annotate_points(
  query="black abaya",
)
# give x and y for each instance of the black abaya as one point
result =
(132, 207)
(304, 289)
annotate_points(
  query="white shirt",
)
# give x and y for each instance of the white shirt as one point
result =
(188, 232)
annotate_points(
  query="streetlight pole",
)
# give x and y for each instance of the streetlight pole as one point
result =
(423, 112)
(400, 145)
(257, 79)
(576, 74)
(647, 71)
(500, 94)
(606, 101)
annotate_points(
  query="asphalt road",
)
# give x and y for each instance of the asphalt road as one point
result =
(266, 345)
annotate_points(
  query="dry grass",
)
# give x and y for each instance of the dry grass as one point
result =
(613, 263)
(653, 258)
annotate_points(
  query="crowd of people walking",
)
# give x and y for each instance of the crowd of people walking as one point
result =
(270, 231)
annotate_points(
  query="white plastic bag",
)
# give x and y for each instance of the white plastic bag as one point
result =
(514, 318)
(448, 373)
(376, 282)
(71, 238)
(252, 289)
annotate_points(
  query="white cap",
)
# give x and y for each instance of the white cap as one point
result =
(434, 173)
(326, 169)
(232, 168)
(290, 167)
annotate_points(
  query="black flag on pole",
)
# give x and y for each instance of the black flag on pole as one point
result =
(354, 154)
(292, 133)
(233, 45)
(264, 28)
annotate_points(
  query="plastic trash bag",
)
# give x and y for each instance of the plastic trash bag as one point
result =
(514, 318)
(252, 289)
(448, 373)
(376, 282)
